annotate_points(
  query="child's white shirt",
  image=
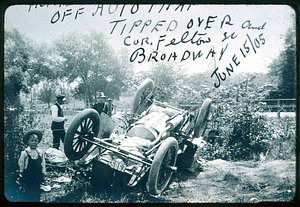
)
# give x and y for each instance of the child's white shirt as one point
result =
(23, 160)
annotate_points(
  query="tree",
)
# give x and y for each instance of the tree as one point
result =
(47, 93)
(283, 68)
(89, 59)
(41, 67)
(16, 62)
(126, 67)
(166, 78)
(26, 63)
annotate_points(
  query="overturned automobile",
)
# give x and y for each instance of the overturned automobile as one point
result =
(152, 145)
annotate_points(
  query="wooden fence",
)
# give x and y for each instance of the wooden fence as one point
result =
(267, 105)
(278, 105)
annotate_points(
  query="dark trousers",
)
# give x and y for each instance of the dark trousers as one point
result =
(57, 136)
(32, 187)
(32, 176)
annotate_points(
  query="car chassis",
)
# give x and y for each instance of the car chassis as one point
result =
(150, 145)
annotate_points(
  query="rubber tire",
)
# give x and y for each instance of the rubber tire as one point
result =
(145, 84)
(201, 121)
(31, 132)
(155, 168)
(68, 143)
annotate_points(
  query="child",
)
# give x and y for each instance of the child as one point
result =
(32, 166)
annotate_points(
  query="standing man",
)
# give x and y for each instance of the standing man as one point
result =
(58, 121)
(101, 105)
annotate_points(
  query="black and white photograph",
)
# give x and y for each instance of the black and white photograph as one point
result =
(149, 103)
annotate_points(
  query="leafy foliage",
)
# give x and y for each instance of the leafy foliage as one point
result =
(16, 63)
(47, 93)
(249, 137)
(283, 69)
(236, 130)
(89, 59)
(166, 78)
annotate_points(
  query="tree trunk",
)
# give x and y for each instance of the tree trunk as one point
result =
(237, 93)
(85, 95)
(85, 91)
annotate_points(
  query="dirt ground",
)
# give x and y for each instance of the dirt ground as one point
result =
(237, 182)
(218, 182)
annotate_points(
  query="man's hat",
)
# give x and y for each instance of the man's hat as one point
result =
(102, 95)
(60, 96)
(31, 132)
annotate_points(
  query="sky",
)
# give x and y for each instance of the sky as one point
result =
(225, 39)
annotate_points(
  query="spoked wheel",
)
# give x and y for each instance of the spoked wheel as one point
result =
(159, 174)
(143, 96)
(202, 118)
(86, 125)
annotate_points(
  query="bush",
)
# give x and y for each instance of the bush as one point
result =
(249, 138)
(238, 131)
(283, 145)
(242, 134)
(16, 123)
(12, 149)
